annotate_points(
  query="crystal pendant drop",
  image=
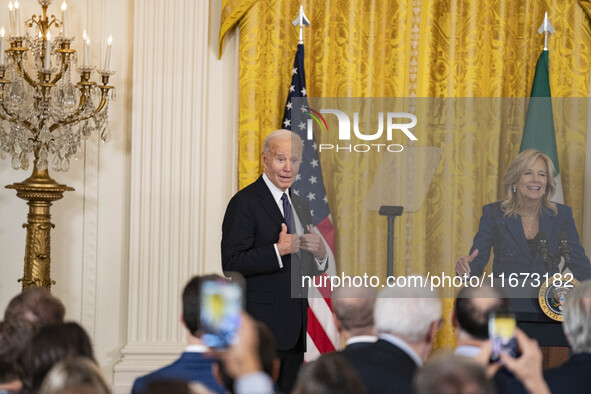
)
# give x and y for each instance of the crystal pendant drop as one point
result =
(60, 95)
(16, 148)
(24, 159)
(65, 164)
(17, 91)
(42, 161)
(16, 163)
(56, 163)
(69, 96)
(86, 131)
(44, 135)
(64, 150)
(78, 155)
(42, 164)
(106, 135)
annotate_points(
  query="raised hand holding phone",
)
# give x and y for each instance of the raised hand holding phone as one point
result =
(222, 302)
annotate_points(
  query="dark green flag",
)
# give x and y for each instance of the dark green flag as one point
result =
(538, 132)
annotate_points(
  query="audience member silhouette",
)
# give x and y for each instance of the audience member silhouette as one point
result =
(37, 305)
(51, 345)
(77, 375)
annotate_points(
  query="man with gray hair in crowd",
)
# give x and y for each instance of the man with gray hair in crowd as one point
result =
(406, 321)
(352, 310)
(573, 376)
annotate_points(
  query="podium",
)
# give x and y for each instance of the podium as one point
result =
(547, 332)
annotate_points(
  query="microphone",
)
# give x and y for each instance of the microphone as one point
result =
(565, 249)
(543, 251)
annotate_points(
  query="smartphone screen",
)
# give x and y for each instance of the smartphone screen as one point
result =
(221, 305)
(501, 331)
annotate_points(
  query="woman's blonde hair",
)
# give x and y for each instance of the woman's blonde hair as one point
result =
(518, 166)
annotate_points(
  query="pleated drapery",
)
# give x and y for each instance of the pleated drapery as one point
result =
(415, 48)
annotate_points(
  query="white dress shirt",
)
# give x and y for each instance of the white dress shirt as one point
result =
(196, 349)
(361, 339)
(467, 350)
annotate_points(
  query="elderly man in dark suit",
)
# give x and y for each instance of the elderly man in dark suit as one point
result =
(573, 376)
(268, 238)
(352, 310)
(406, 321)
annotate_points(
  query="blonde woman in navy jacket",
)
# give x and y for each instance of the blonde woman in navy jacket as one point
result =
(512, 228)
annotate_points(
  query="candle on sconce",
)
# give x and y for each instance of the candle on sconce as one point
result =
(64, 24)
(48, 51)
(17, 19)
(2, 46)
(108, 53)
(86, 44)
(11, 14)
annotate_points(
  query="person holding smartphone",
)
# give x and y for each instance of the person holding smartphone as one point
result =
(195, 364)
(526, 368)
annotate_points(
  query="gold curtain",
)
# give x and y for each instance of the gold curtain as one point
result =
(407, 48)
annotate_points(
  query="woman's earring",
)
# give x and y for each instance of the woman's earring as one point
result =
(514, 189)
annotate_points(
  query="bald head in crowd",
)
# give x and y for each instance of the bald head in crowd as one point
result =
(353, 309)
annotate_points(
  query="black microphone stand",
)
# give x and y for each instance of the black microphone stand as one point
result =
(391, 212)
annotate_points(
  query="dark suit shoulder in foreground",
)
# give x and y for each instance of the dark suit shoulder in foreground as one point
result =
(383, 367)
(190, 367)
(572, 377)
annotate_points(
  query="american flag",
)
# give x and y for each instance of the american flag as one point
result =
(322, 334)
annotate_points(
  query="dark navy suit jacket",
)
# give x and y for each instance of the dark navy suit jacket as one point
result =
(251, 227)
(511, 251)
(572, 377)
(190, 367)
(383, 367)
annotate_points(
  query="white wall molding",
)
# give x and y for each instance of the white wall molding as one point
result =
(184, 108)
(88, 310)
